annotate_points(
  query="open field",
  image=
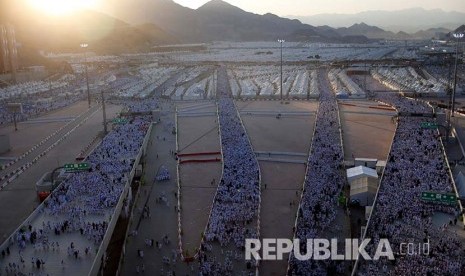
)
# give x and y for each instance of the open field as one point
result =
(281, 181)
(366, 130)
(198, 181)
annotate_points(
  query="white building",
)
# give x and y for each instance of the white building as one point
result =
(363, 184)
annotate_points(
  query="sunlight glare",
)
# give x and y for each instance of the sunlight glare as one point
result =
(61, 7)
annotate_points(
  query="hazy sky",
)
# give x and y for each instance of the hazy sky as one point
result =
(310, 7)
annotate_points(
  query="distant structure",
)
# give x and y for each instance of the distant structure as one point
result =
(8, 50)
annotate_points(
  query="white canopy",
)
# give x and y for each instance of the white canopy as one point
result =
(361, 171)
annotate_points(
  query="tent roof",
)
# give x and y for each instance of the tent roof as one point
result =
(361, 171)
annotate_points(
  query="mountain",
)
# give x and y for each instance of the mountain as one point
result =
(408, 20)
(168, 15)
(371, 32)
(103, 33)
(430, 33)
(217, 20)
(222, 21)
(459, 30)
(154, 34)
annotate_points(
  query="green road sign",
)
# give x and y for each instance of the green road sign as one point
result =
(439, 197)
(427, 125)
(77, 167)
(120, 121)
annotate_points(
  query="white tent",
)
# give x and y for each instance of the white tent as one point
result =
(360, 171)
(363, 184)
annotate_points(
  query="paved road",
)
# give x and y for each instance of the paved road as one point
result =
(29, 135)
(19, 198)
(459, 124)
(55, 138)
(164, 219)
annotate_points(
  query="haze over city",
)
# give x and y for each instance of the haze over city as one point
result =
(305, 7)
(281, 8)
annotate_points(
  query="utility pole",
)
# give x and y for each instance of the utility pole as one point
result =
(14, 120)
(12, 52)
(281, 41)
(84, 46)
(458, 37)
(366, 73)
(105, 130)
(449, 92)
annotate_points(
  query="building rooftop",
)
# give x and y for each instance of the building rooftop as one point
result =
(361, 171)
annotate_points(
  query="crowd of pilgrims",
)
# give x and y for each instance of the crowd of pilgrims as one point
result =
(236, 205)
(34, 103)
(33, 108)
(84, 202)
(324, 180)
(416, 164)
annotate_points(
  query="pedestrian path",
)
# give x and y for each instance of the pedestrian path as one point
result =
(160, 219)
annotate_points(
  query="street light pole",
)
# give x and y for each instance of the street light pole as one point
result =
(449, 92)
(84, 46)
(458, 36)
(14, 120)
(105, 130)
(281, 41)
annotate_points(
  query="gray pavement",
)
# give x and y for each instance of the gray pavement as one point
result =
(57, 261)
(29, 135)
(163, 218)
(45, 144)
(22, 189)
(459, 123)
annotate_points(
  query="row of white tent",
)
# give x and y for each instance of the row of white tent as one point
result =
(409, 79)
(344, 85)
(29, 88)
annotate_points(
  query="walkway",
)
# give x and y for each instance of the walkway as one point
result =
(161, 200)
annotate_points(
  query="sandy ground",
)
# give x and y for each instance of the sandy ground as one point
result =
(288, 106)
(196, 135)
(366, 135)
(190, 106)
(281, 182)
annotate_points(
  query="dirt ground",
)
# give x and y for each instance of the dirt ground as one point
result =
(366, 132)
(281, 182)
(197, 134)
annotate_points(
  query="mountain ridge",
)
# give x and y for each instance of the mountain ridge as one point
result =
(102, 32)
(217, 20)
(424, 19)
